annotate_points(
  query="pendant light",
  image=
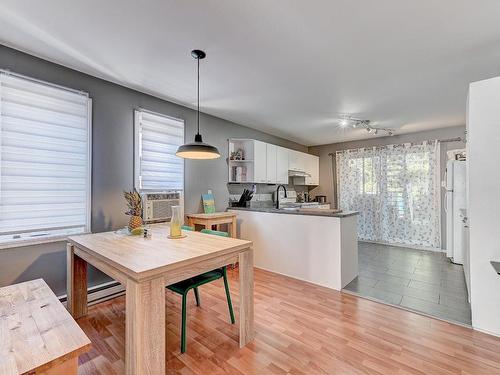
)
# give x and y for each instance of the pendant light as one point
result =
(198, 149)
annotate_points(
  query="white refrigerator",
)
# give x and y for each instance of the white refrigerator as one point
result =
(455, 201)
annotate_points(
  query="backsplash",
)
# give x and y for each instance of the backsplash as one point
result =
(264, 192)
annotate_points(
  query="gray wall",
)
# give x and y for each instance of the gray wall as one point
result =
(112, 164)
(325, 163)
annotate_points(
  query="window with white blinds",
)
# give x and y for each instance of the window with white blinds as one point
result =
(45, 152)
(157, 138)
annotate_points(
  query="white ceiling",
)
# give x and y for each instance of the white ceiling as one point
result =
(287, 67)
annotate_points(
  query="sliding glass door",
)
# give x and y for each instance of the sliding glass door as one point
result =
(396, 191)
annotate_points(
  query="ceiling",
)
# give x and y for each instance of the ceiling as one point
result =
(286, 67)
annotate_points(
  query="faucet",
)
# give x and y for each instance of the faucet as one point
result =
(278, 195)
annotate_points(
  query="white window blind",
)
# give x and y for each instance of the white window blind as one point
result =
(45, 136)
(157, 138)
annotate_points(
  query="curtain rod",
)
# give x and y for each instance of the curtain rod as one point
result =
(457, 139)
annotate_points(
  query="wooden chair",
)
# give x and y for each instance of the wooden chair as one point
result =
(183, 287)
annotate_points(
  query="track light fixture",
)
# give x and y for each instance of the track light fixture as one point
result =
(348, 121)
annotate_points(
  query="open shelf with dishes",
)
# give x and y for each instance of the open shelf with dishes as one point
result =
(241, 160)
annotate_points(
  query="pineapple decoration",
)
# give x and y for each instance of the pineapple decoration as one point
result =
(134, 204)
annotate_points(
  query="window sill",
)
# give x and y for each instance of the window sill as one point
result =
(34, 241)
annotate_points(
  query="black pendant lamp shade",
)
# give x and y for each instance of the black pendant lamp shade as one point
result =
(198, 149)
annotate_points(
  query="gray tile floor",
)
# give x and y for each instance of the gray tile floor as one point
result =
(424, 281)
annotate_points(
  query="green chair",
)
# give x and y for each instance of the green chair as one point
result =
(183, 287)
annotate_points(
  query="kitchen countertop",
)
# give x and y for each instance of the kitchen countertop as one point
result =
(288, 212)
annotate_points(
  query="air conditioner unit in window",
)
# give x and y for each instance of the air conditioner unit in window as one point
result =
(157, 207)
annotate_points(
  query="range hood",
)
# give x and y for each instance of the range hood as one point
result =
(296, 173)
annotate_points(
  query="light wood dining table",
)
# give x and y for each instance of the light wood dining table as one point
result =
(145, 266)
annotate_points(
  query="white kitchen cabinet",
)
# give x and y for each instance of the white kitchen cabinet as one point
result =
(252, 161)
(312, 167)
(297, 160)
(271, 163)
(282, 165)
(240, 161)
(260, 162)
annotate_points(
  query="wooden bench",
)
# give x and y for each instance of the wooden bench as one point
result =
(37, 334)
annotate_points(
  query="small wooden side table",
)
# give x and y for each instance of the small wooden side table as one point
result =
(207, 220)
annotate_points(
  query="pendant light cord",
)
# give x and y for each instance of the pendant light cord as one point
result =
(198, 96)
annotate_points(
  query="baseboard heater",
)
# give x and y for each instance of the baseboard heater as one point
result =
(100, 293)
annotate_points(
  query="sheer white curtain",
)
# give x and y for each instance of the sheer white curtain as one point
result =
(396, 191)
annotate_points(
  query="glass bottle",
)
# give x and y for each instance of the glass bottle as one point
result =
(176, 222)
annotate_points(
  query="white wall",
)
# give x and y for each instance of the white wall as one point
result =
(483, 148)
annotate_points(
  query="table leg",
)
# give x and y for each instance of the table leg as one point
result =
(246, 297)
(76, 283)
(208, 225)
(233, 227)
(191, 223)
(145, 340)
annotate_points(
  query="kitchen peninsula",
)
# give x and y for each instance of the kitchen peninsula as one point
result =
(318, 246)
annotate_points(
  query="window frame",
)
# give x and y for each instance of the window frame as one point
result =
(138, 149)
(54, 234)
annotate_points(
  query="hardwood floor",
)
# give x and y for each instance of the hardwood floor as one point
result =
(300, 329)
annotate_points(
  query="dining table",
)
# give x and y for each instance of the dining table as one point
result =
(206, 220)
(145, 266)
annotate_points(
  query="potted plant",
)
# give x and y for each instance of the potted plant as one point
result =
(134, 204)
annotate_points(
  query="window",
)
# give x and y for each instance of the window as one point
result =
(364, 168)
(45, 152)
(157, 138)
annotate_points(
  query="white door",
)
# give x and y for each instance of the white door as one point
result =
(459, 204)
(465, 235)
(449, 208)
(271, 163)
(260, 162)
(281, 165)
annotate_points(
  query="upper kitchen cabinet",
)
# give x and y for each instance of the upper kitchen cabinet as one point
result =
(297, 161)
(282, 165)
(312, 168)
(271, 163)
(248, 162)
(241, 160)
(260, 165)
(307, 165)
(252, 161)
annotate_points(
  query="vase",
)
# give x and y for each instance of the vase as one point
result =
(134, 222)
(176, 222)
